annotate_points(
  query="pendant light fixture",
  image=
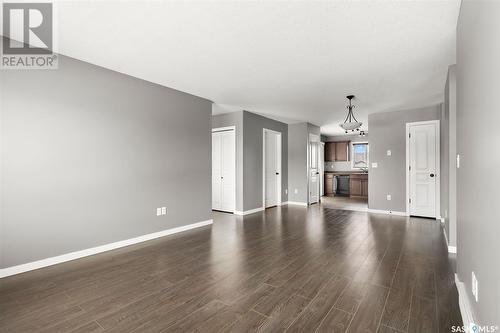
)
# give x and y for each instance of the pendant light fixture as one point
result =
(350, 122)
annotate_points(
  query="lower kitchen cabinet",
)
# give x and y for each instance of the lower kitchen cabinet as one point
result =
(328, 183)
(359, 185)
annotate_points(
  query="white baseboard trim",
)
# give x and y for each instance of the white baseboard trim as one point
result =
(451, 249)
(296, 203)
(389, 212)
(445, 237)
(95, 250)
(468, 317)
(246, 212)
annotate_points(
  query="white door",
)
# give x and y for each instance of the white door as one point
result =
(223, 170)
(313, 168)
(216, 171)
(272, 168)
(423, 168)
(228, 171)
(321, 162)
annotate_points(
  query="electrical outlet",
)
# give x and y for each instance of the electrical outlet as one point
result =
(158, 211)
(389, 153)
(389, 197)
(296, 191)
(163, 210)
(374, 165)
(286, 191)
(475, 290)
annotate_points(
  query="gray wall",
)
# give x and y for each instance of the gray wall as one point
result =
(448, 158)
(297, 162)
(444, 132)
(253, 126)
(339, 165)
(234, 119)
(313, 129)
(298, 138)
(478, 98)
(388, 132)
(88, 156)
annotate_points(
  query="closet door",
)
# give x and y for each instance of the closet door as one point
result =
(227, 171)
(216, 171)
(223, 171)
(271, 168)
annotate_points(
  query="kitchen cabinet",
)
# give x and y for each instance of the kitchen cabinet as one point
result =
(342, 151)
(337, 151)
(328, 183)
(364, 187)
(358, 185)
(330, 151)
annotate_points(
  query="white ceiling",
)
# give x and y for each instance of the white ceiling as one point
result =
(291, 60)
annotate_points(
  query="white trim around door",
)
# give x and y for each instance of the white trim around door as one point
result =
(313, 173)
(437, 171)
(277, 164)
(232, 130)
(321, 162)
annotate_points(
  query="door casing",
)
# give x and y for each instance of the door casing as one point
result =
(279, 166)
(438, 165)
(321, 165)
(229, 129)
(312, 138)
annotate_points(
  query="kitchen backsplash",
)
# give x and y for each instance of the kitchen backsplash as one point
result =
(338, 166)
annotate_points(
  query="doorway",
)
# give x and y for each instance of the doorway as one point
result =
(271, 187)
(224, 169)
(422, 169)
(313, 167)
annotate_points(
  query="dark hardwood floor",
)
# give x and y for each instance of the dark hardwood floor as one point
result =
(288, 269)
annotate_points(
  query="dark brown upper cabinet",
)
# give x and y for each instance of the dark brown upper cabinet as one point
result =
(330, 151)
(337, 151)
(342, 151)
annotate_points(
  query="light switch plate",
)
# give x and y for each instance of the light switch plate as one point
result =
(458, 161)
(163, 210)
(296, 191)
(374, 165)
(389, 153)
(389, 197)
(158, 211)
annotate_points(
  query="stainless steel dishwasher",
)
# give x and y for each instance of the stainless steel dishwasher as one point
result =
(341, 182)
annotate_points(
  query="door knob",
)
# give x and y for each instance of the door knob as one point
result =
(432, 175)
(277, 173)
(221, 177)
